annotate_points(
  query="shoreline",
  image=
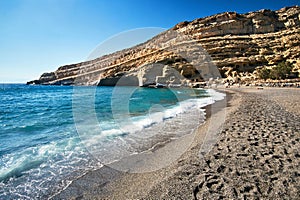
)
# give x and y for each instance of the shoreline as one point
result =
(254, 154)
(100, 181)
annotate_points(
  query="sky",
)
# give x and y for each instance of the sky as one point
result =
(38, 36)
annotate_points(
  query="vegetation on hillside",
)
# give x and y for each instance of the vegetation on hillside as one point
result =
(281, 71)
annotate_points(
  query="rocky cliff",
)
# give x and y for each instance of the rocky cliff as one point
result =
(229, 44)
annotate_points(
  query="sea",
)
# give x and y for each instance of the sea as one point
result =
(51, 135)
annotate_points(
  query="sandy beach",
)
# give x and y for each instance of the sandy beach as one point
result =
(248, 148)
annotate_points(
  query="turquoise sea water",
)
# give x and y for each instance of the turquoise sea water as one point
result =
(49, 135)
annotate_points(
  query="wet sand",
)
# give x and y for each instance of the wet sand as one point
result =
(247, 148)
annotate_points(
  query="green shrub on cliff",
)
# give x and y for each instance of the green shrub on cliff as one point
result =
(264, 73)
(281, 71)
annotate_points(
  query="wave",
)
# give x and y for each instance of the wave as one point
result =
(134, 124)
(17, 163)
(21, 165)
(128, 135)
(45, 165)
(43, 169)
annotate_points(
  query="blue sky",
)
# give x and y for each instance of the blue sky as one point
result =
(38, 36)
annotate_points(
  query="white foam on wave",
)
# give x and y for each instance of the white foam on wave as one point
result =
(216, 96)
(125, 124)
(17, 163)
(130, 128)
(42, 168)
(139, 123)
(139, 133)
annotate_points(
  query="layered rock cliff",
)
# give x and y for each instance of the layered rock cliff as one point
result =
(229, 44)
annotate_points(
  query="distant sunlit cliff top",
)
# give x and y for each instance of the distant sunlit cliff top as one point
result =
(237, 44)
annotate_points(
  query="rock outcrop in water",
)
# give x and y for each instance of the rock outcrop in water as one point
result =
(230, 45)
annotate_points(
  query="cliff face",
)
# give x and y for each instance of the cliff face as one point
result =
(230, 45)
